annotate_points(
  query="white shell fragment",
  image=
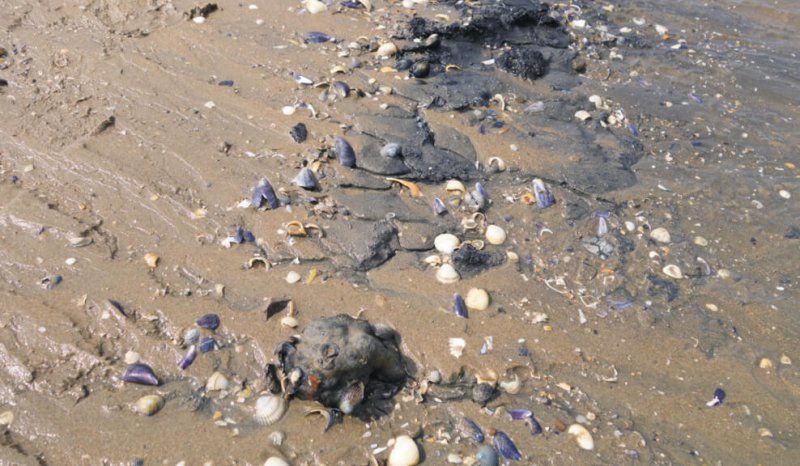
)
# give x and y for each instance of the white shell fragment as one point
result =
(270, 409)
(672, 271)
(217, 381)
(404, 453)
(457, 346)
(582, 436)
(661, 30)
(314, 6)
(447, 274)
(275, 461)
(292, 277)
(583, 115)
(495, 235)
(477, 299)
(289, 321)
(446, 243)
(661, 235)
(455, 186)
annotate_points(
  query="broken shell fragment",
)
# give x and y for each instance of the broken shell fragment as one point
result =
(583, 115)
(270, 409)
(446, 243)
(405, 452)
(660, 235)
(672, 271)
(477, 299)
(208, 321)
(459, 308)
(544, 198)
(582, 436)
(151, 259)
(141, 374)
(457, 346)
(495, 235)
(455, 186)
(188, 359)
(217, 381)
(392, 150)
(314, 7)
(295, 228)
(503, 444)
(264, 192)
(149, 405)
(306, 179)
(289, 321)
(275, 461)
(447, 274)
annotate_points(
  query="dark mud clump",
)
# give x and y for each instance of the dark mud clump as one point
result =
(525, 62)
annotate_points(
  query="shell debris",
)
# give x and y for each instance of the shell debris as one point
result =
(582, 436)
(151, 259)
(405, 452)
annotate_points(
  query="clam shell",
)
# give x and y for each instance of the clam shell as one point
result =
(495, 235)
(392, 150)
(289, 321)
(582, 436)
(511, 387)
(661, 235)
(404, 453)
(217, 381)
(477, 299)
(314, 6)
(386, 50)
(447, 274)
(455, 186)
(149, 404)
(275, 461)
(672, 271)
(270, 409)
(446, 243)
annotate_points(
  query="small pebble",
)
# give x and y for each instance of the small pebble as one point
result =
(712, 307)
(672, 271)
(6, 418)
(700, 241)
(71, 261)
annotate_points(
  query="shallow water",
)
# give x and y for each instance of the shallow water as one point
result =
(614, 339)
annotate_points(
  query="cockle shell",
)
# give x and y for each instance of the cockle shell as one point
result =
(477, 299)
(672, 271)
(149, 404)
(495, 235)
(447, 274)
(270, 409)
(455, 186)
(582, 436)
(404, 453)
(386, 50)
(275, 461)
(446, 243)
(217, 381)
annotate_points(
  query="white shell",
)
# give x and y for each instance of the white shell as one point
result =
(512, 386)
(433, 260)
(132, 357)
(447, 274)
(495, 235)
(386, 50)
(275, 461)
(457, 346)
(661, 235)
(583, 115)
(446, 243)
(582, 436)
(270, 409)
(293, 277)
(149, 404)
(455, 186)
(217, 381)
(597, 101)
(314, 6)
(673, 271)
(477, 299)
(289, 321)
(404, 453)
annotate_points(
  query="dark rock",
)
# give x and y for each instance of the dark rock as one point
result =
(364, 245)
(470, 261)
(525, 62)
(299, 133)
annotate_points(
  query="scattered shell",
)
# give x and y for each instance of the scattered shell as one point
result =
(496, 164)
(503, 444)
(765, 363)
(511, 387)
(433, 260)
(292, 277)
(459, 308)
(477, 299)
(446, 243)
(189, 358)
(700, 241)
(344, 152)
(486, 456)
(207, 344)
(661, 30)
(476, 221)
(420, 69)
(412, 187)
(455, 186)
(141, 374)
(217, 381)
(264, 192)
(447, 274)
(270, 409)
(544, 197)
(151, 259)
(438, 206)
(295, 228)
(6, 418)
(277, 438)
(582, 436)
(392, 150)
(469, 429)
(661, 235)
(132, 357)
(583, 115)
(258, 262)
(489, 377)
(289, 321)
(386, 50)
(149, 404)
(673, 271)
(404, 453)
(495, 235)
(457, 346)
(719, 396)
(306, 179)
(208, 321)
(786, 360)
(314, 6)
(275, 461)
(80, 241)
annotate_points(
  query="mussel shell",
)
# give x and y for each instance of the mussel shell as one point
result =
(481, 190)
(459, 307)
(544, 198)
(392, 150)
(315, 37)
(270, 409)
(189, 358)
(534, 425)
(140, 373)
(306, 179)
(438, 206)
(344, 152)
(209, 321)
(519, 414)
(503, 444)
(403, 64)
(421, 69)
(467, 428)
(264, 192)
(207, 344)
(341, 88)
(482, 393)
(299, 133)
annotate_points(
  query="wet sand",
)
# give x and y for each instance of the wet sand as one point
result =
(612, 342)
